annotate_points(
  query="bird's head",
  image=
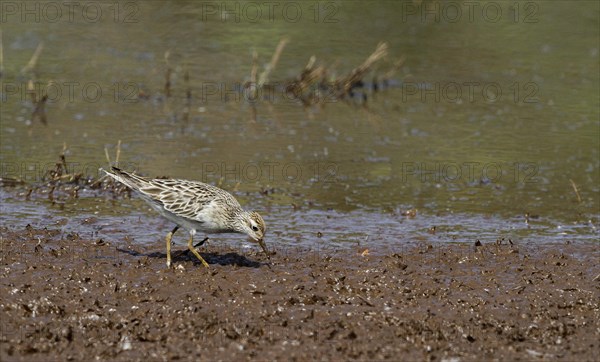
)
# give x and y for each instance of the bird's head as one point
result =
(254, 226)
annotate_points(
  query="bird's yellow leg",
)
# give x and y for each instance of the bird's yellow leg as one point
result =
(169, 237)
(193, 250)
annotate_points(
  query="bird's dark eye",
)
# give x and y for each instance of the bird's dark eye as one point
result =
(255, 228)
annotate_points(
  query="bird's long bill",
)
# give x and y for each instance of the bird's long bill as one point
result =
(262, 244)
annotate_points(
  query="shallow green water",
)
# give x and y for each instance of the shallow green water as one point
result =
(526, 121)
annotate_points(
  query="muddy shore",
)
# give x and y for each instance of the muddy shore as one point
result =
(63, 297)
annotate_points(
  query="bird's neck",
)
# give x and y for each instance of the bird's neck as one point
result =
(240, 221)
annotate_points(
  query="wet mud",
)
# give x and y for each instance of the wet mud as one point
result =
(64, 297)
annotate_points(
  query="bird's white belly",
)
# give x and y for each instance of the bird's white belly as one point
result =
(204, 224)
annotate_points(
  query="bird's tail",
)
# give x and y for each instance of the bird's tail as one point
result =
(130, 180)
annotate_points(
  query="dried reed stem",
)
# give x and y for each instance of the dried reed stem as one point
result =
(34, 58)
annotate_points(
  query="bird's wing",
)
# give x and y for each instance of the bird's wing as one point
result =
(181, 197)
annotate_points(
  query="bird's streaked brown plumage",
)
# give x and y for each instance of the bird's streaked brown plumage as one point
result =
(196, 206)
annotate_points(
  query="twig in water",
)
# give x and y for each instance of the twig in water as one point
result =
(264, 76)
(346, 83)
(168, 75)
(395, 67)
(34, 58)
(63, 159)
(188, 90)
(40, 111)
(576, 190)
(107, 157)
(254, 70)
(252, 87)
(118, 153)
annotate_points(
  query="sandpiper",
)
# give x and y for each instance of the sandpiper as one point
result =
(195, 206)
